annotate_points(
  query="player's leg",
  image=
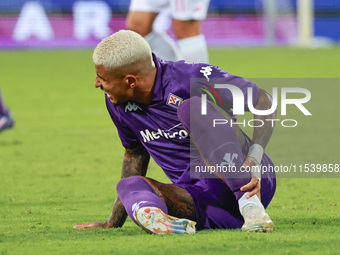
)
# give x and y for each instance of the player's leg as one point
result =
(187, 16)
(141, 16)
(157, 207)
(6, 120)
(220, 146)
(191, 41)
(141, 21)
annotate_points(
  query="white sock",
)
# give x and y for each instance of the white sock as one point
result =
(163, 46)
(243, 202)
(194, 49)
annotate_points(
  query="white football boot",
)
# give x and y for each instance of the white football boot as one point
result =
(154, 221)
(255, 217)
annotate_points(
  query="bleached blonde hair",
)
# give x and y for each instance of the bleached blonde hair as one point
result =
(121, 48)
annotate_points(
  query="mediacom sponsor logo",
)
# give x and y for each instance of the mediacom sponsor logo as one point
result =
(154, 135)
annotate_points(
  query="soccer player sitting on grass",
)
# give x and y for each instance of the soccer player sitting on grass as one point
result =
(150, 103)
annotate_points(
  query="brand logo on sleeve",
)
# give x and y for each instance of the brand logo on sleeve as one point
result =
(206, 71)
(173, 100)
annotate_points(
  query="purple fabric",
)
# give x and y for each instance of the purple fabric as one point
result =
(157, 127)
(3, 108)
(135, 193)
(215, 204)
(214, 143)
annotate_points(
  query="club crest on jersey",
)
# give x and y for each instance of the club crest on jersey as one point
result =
(173, 100)
(132, 107)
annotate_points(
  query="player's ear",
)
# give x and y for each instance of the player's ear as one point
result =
(131, 80)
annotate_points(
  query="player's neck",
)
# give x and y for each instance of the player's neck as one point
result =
(145, 92)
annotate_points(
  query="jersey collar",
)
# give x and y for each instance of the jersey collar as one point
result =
(158, 88)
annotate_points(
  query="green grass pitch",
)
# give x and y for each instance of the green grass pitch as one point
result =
(60, 164)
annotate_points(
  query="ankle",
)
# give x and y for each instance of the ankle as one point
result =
(243, 202)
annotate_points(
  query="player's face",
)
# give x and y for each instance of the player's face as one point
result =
(116, 88)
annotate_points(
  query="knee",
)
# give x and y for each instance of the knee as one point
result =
(193, 101)
(189, 107)
(139, 28)
(186, 28)
(127, 184)
(139, 24)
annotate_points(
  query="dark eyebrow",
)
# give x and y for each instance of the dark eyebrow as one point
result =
(100, 77)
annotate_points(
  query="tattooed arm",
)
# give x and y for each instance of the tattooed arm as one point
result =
(135, 163)
(261, 136)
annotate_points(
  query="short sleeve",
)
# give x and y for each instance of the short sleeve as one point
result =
(222, 96)
(128, 138)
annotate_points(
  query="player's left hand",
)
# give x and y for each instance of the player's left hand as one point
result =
(254, 183)
(105, 224)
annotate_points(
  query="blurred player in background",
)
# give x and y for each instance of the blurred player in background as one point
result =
(6, 120)
(150, 102)
(186, 16)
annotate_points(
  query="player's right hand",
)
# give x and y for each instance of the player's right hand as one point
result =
(254, 185)
(105, 224)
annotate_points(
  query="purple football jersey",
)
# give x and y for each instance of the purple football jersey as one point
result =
(156, 125)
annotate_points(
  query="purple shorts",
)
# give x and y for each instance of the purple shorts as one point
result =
(216, 205)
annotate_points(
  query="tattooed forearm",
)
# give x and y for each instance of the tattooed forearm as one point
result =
(118, 215)
(262, 134)
(135, 163)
